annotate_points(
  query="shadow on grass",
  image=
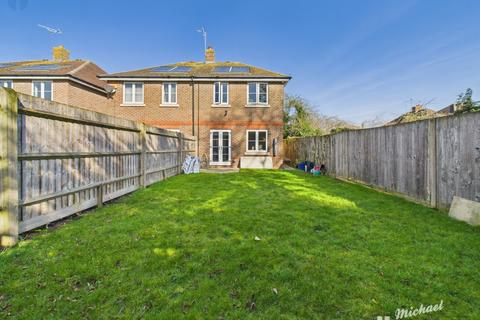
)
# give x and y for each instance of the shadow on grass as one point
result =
(186, 247)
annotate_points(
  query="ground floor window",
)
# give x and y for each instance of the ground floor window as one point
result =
(257, 140)
(220, 147)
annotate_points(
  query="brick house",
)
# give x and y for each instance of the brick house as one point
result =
(73, 82)
(235, 110)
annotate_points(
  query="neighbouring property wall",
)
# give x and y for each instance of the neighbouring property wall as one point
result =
(62, 160)
(69, 92)
(430, 161)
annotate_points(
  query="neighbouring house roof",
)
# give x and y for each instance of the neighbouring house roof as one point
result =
(81, 71)
(450, 109)
(420, 113)
(454, 107)
(188, 70)
(417, 113)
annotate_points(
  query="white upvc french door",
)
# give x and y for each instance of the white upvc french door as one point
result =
(220, 147)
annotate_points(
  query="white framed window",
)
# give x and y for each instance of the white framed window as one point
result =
(257, 93)
(133, 93)
(220, 93)
(220, 147)
(169, 96)
(6, 84)
(257, 140)
(42, 89)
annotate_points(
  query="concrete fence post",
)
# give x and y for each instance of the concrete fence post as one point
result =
(432, 162)
(8, 168)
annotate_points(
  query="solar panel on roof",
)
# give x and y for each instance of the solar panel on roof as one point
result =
(172, 69)
(182, 69)
(225, 69)
(222, 69)
(40, 67)
(162, 69)
(5, 65)
(240, 69)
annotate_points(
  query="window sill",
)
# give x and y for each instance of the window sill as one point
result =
(256, 153)
(257, 105)
(221, 106)
(168, 105)
(132, 105)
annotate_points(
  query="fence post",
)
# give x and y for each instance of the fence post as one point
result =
(432, 161)
(180, 152)
(143, 155)
(100, 196)
(8, 168)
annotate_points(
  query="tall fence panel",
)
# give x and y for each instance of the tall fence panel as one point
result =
(458, 158)
(71, 159)
(430, 160)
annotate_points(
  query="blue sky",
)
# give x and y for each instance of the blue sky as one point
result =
(354, 59)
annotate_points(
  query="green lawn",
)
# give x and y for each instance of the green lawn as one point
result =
(186, 248)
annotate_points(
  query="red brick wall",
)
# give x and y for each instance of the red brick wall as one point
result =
(237, 117)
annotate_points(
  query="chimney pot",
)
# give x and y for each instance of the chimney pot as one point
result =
(60, 54)
(210, 55)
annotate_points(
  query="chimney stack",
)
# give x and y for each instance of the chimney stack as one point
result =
(60, 54)
(417, 108)
(210, 55)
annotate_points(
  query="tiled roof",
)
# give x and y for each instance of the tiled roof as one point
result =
(82, 70)
(421, 114)
(200, 70)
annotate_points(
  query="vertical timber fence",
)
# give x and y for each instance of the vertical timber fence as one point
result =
(429, 161)
(57, 160)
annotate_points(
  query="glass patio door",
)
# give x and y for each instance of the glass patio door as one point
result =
(220, 147)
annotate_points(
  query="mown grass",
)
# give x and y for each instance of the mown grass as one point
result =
(186, 248)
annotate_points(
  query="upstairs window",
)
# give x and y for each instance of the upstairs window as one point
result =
(6, 84)
(169, 93)
(257, 93)
(220, 93)
(257, 140)
(133, 93)
(42, 89)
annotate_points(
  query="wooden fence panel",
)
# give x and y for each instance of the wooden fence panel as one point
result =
(340, 151)
(458, 158)
(71, 159)
(430, 160)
